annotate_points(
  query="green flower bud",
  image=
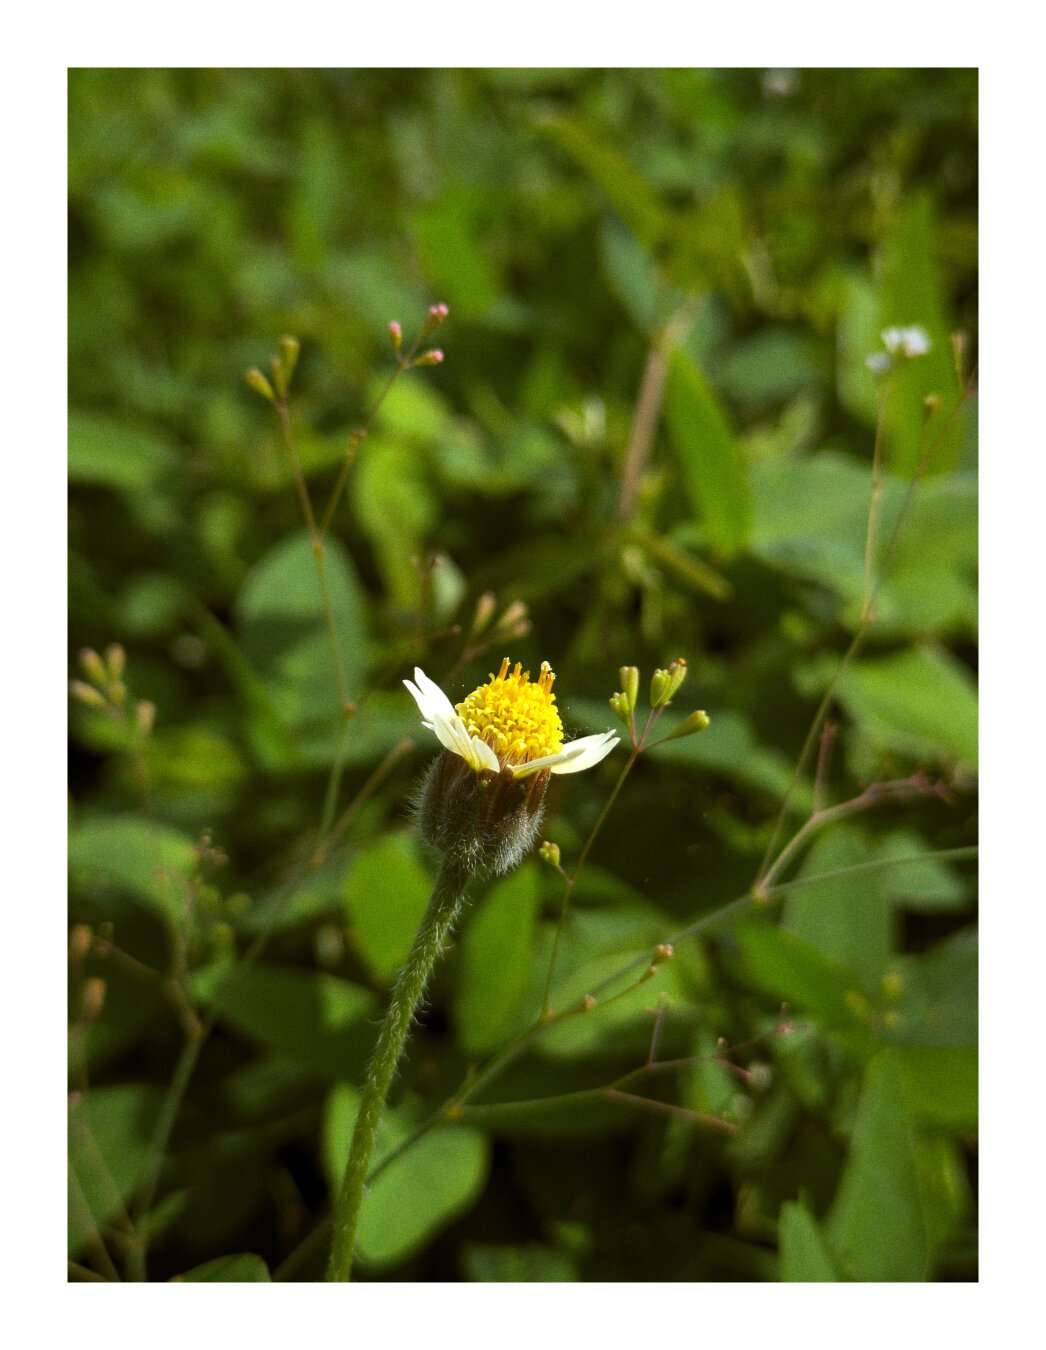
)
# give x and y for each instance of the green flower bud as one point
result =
(697, 721)
(486, 823)
(630, 684)
(549, 853)
(260, 384)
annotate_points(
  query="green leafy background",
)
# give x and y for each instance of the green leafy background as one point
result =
(758, 230)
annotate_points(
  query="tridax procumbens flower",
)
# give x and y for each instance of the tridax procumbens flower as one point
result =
(482, 799)
(509, 723)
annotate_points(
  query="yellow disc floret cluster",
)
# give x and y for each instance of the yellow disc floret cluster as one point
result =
(517, 719)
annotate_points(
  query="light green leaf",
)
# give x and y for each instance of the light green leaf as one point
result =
(624, 187)
(876, 1227)
(385, 895)
(938, 1000)
(940, 1083)
(496, 961)
(714, 473)
(789, 968)
(110, 1130)
(428, 1185)
(241, 1268)
(847, 918)
(112, 856)
(282, 623)
(804, 1255)
(129, 460)
(920, 702)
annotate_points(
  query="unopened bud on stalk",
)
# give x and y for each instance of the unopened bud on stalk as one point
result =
(144, 716)
(94, 998)
(290, 348)
(87, 694)
(619, 706)
(395, 335)
(664, 684)
(435, 316)
(115, 661)
(81, 940)
(486, 607)
(630, 685)
(92, 665)
(549, 852)
(512, 616)
(697, 721)
(430, 358)
(260, 384)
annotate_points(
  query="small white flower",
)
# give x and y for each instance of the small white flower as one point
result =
(509, 723)
(911, 341)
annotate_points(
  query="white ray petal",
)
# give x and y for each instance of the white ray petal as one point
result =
(578, 755)
(486, 756)
(436, 698)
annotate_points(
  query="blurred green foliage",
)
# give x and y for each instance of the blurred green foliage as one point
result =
(731, 243)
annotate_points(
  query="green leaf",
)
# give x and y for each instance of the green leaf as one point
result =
(876, 1227)
(940, 1083)
(789, 968)
(714, 473)
(496, 961)
(385, 895)
(283, 626)
(129, 460)
(110, 1131)
(429, 1184)
(847, 918)
(527, 1264)
(921, 702)
(624, 187)
(125, 855)
(320, 1020)
(396, 508)
(241, 1268)
(938, 1001)
(804, 1256)
(911, 293)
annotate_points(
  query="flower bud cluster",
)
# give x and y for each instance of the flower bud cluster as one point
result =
(664, 685)
(104, 690)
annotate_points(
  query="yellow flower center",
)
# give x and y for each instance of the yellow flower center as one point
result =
(517, 719)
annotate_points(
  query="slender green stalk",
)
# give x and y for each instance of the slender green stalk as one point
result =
(429, 942)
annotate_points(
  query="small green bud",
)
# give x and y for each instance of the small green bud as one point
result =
(395, 336)
(619, 707)
(430, 358)
(549, 853)
(697, 721)
(260, 384)
(630, 684)
(514, 614)
(144, 716)
(290, 348)
(115, 661)
(92, 665)
(485, 608)
(659, 683)
(93, 999)
(87, 694)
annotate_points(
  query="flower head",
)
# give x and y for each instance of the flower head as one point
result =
(509, 723)
(482, 799)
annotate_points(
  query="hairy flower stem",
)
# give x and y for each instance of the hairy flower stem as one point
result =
(429, 942)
